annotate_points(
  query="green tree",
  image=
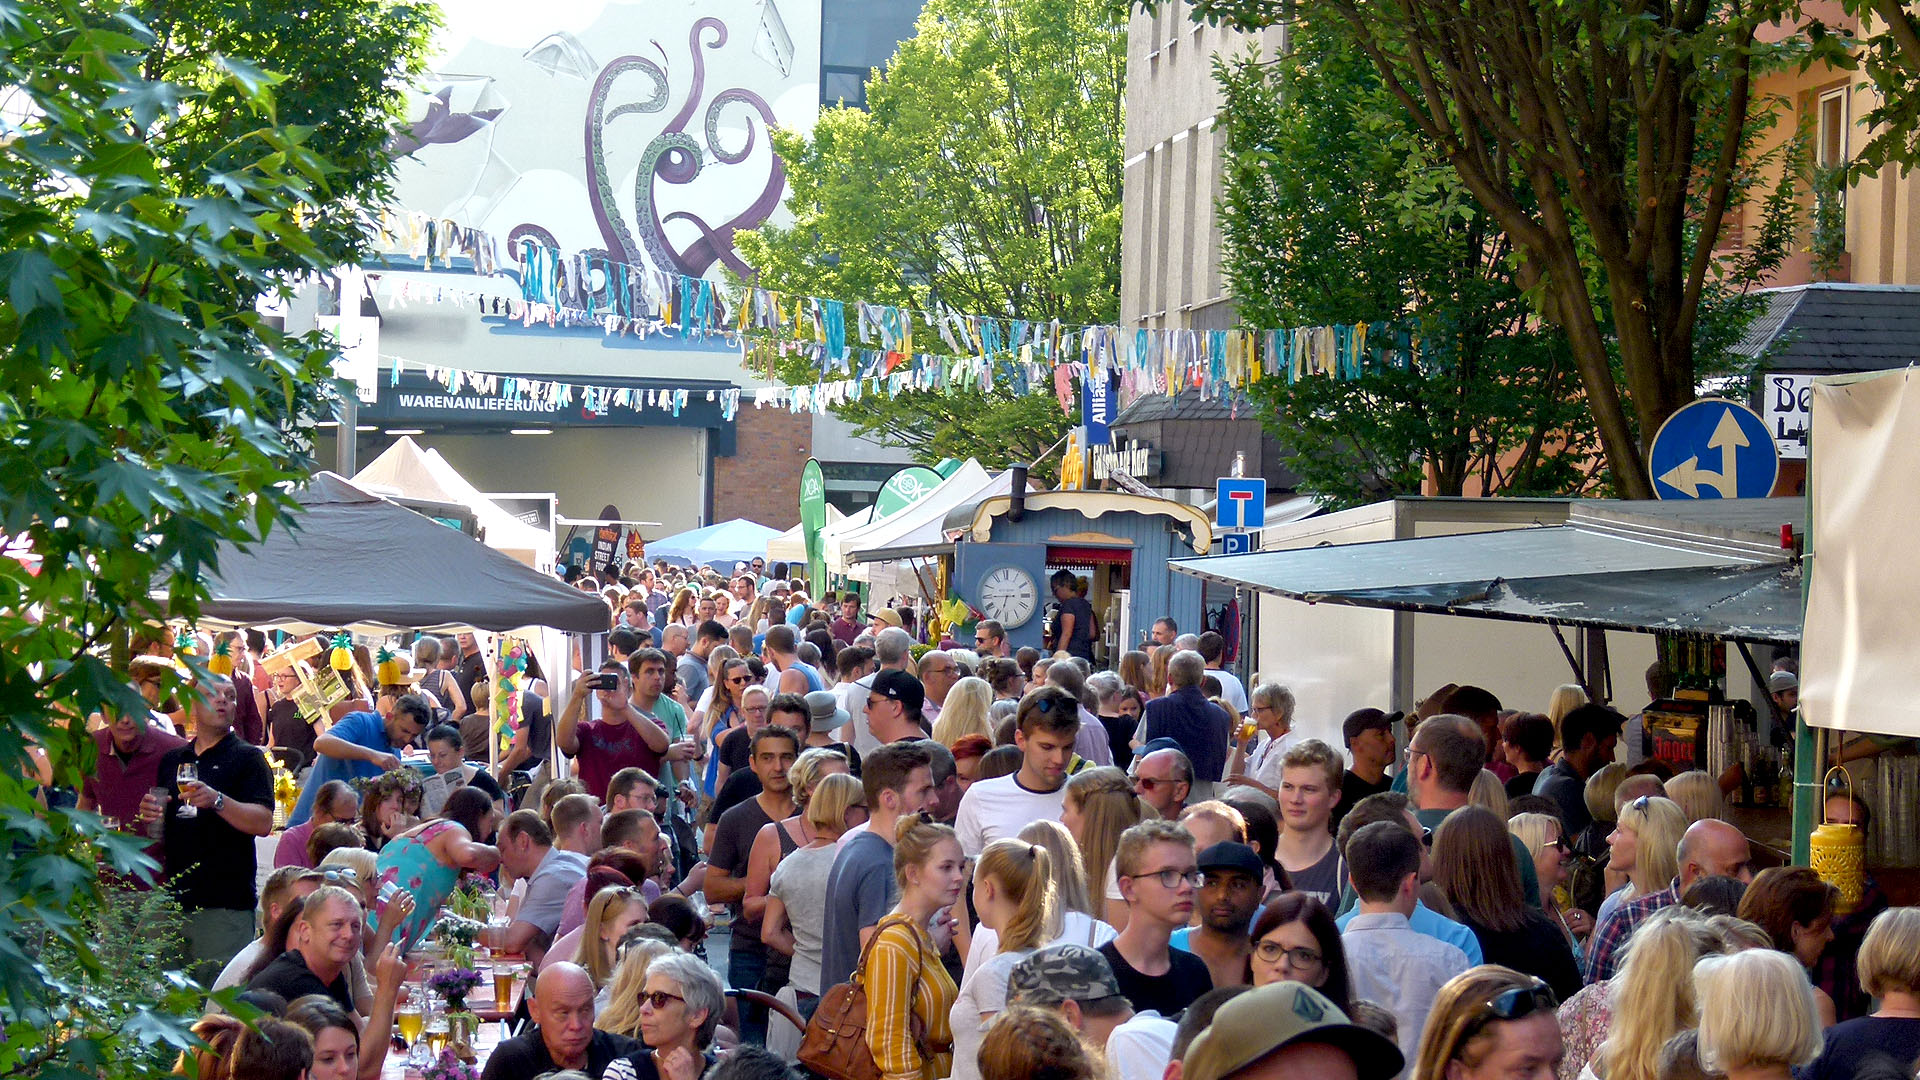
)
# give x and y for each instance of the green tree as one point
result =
(1335, 212)
(986, 177)
(1606, 140)
(150, 413)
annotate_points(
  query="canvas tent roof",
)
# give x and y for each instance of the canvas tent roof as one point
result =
(353, 559)
(917, 526)
(791, 546)
(728, 542)
(409, 470)
(1701, 568)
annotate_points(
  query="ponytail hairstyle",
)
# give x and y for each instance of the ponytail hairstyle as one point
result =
(1023, 871)
(914, 841)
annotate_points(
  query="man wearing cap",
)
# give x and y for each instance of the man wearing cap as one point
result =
(1368, 734)
(1078, 982)
(1229, 897)
(998, 809)
(1388, 962)
(892, 651)
(893, 707)
(882, 618)
(1287, 1030)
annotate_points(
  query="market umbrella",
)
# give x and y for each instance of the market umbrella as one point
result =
(722, 545)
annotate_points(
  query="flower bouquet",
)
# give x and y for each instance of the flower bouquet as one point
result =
(449, 1066)
(453, 985)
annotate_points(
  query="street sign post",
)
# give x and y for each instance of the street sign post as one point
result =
(1240, 502)
(1713, 449)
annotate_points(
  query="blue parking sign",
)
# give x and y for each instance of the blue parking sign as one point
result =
(1236, 543)
(1240, 502)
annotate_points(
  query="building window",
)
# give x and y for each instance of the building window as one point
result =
(857, 36)
(1832, 129)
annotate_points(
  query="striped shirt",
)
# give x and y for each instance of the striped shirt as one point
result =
(904, 978)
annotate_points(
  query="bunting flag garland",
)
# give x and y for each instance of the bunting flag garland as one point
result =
(856, 348)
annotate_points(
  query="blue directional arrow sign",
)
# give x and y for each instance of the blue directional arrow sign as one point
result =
(1713, 449)
(1241, 502)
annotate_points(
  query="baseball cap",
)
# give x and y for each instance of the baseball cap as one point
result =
(826, 711)
(1361, 721)
(1782, 680)
(1229, 855)
(886, 615)
(1258, 1022)
(1152, 746)
(1058, 973)
(901, 687)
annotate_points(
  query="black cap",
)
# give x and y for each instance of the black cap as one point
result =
(1229, 855)
(901, 687)
(1361, 721)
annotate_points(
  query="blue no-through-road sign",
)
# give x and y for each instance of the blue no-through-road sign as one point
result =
(1713, 449)
(1240, 502)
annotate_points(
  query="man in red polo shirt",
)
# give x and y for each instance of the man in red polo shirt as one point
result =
(129, 759)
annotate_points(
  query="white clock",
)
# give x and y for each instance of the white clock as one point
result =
(1009, 595)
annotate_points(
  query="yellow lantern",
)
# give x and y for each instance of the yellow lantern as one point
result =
(1838, 853)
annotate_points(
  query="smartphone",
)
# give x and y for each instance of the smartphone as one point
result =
(605, 680)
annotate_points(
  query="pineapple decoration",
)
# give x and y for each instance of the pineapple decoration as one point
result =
(388, 668)
(340, 657)
(221, 662)
(184, 644)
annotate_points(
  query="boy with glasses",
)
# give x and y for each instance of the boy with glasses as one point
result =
(1158, 876)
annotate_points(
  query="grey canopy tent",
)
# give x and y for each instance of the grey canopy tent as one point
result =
(353, 559)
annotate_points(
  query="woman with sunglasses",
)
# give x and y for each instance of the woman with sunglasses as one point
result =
(679, 1008)
(730, 682)
(1550, 851)
(1644, 845)
(795, 915)
(1295, 939)
(1490, 1023)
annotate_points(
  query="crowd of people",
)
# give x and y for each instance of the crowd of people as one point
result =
(1025, 866)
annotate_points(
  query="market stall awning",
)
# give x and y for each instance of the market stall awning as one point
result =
(353, 559)
(720, 546)
(1587, 573)
(408, 470)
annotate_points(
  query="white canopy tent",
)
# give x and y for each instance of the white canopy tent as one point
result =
(408, 470)
(915, 529)
(791, 546)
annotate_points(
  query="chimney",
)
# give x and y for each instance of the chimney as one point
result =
(1018, 508)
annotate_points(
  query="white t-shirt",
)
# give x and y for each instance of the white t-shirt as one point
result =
(1231, 689)
(999, 808)
(1076, 928)
(855, 702)
(1264, 764)
(981, 991)
(1140, 1048)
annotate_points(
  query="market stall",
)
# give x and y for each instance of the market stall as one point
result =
(719, 545)
(409, 470)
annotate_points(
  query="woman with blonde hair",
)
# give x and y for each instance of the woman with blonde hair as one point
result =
(1549, 851)
(616, 1007)
(1488, 1022)
(1100, 805)
(795, 911)
(1076, 923)
(1889, 966)
(1697, 794)
(900, 966)
(1598, 795)
(1157, 677)
(1490, 792)
(731, 680)
(1644, 845)
(1757, 1016)
(1566, 698)
(609, 916)
(965, 711)
(1014, 896)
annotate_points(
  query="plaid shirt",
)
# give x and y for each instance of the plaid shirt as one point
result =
(1611, 936)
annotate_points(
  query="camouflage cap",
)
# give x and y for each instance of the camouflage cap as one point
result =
(1060, 973)
(1261, 1021)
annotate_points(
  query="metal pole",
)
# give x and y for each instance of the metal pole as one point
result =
(347, 439)
(1809, 759)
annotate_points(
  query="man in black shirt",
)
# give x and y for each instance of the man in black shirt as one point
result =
(1159, 878)
(471, 666)
(208, 858)
(564, 1037)
(319, 946)
(1369, 737)
(774, 749)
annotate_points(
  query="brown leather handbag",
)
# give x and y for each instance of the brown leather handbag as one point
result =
(835, 1043)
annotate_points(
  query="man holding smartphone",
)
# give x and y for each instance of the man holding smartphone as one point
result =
(623, 736)
(208, 857)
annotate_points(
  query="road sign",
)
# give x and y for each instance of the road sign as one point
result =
(1238, 543)
(1713, 449)
(1786, 403)
(1240, 502)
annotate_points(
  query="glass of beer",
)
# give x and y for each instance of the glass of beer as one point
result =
(503, 987)
(409, 1018)
(1247, 732)
(186, 776)
(436, 1036)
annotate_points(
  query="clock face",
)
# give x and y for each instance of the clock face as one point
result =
(1009, 595)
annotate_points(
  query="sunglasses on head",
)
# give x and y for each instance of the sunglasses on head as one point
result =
(339, 874)
(1515, 1004)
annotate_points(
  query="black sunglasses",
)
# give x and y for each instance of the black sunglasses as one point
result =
(1515, 1004)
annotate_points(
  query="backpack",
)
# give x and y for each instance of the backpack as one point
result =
(835, 1042)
